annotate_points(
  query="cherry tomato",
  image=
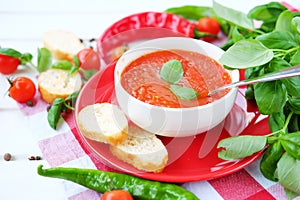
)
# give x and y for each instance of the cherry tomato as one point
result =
(116, 195)
(8, 64)
(89, 59)
(209, 25)
(22, 89)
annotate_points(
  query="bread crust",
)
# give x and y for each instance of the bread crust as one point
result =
(92, 122)
(57, 83)
(150, 160)
(62, 44)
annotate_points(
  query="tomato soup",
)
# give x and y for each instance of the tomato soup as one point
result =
(141, 78)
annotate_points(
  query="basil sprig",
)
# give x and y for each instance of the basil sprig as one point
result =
(172, 72)
(60, 106)
(25, 58)
(273, 46)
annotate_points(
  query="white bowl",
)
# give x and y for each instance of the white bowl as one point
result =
(173, 122)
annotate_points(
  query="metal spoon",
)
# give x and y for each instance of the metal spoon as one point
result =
(284, 73)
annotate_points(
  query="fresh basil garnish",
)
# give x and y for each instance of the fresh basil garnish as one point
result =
(185, 93)
(172, 71)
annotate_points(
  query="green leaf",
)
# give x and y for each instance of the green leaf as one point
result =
(76, 61)
(291, 144)
(296, 24)
(191, 12)
(295, 59)
(172, 71)
(10, 52)
(293, 125)
(184, 92)
(44, 60)
(72, 97)
(234, 16)
(276, 121)
(288, 170)
(238, 55)
(268, 163)
(63, 64)
(87, 74)
(25, 57)
(55, 111)
(270, 96)
(292, 85)
(284, 21)
(267, 12)
(236, 35)
(278, 40)
(290, 194)
(241, 146)
(294, 104)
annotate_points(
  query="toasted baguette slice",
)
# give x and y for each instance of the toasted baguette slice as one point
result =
(57, 83)
(62, 44)
(143, 150)
(103, 122)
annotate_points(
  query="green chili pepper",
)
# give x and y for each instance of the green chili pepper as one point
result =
(102, 181)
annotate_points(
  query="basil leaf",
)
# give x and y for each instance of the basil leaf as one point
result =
(73, 69)
(278, 40)
(293, 125)
(291, 144)
(63, 64)
(276, 121)
(234, 16)
(267, 12)
(172, 71)
(10, 52)
(72, 97)
(236, 35)
(25, 57)
(270, 96)
(55, 111)
(288, 170)
(44, 60)
(284, 21)
(290, 194)
(76, 61)
(241, 146)
(191, 12)
(295, 59)
(184, 92)
(237, 56)
(296, 24)
(294, 104)
(87, 74)
(268, 163)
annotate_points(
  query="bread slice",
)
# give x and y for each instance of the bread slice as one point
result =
(143, 150)
(62, 44)
(103, 122)
(58, 83)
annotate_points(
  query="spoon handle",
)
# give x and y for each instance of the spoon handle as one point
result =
(284, 73)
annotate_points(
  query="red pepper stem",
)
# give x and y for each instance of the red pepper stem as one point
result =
(198, 34)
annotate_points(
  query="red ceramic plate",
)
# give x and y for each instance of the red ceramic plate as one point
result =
(190, 158)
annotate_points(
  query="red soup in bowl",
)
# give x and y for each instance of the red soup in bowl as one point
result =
(162, 85)
(142, 78)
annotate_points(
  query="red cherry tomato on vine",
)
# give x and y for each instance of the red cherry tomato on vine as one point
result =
(208, 25)
(8, 64)
(116, 195)
(22, 89)
(89, 59)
